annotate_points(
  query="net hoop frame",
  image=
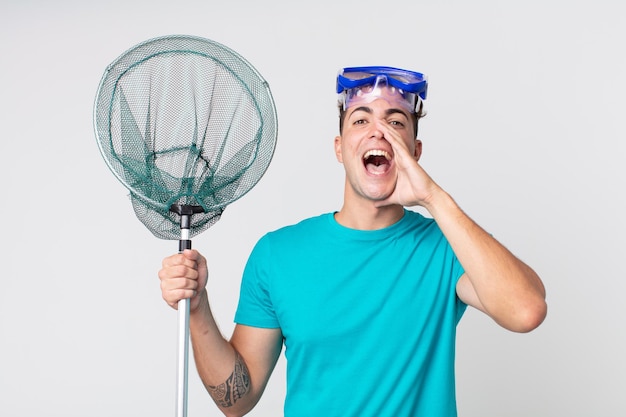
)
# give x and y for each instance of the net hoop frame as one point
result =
(98, 106)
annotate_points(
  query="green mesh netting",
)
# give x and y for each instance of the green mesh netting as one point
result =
(184, 120)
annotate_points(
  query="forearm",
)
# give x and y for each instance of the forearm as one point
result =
(509, 290)
(221, 368)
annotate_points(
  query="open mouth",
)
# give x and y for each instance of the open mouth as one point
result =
(377, 161)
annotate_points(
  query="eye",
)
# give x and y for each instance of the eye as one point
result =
(396, 123)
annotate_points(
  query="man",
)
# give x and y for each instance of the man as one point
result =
(367, 299)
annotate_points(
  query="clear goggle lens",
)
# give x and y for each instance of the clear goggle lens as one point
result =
(380, 89)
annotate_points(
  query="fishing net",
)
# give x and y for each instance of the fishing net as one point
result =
(188, 126)
(184, 122)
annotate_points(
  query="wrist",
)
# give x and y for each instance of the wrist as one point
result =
(200, 305)
(438, 202)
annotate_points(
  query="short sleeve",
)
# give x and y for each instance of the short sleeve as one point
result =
(255, 306)
(457, 273)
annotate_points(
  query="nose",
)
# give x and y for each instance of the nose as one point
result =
(376, 132)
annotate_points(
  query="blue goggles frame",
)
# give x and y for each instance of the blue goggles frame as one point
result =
(408, 81)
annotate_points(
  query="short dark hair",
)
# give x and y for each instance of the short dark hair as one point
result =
(414, 116)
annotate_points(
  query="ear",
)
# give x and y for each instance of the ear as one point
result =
(418, 149)
(338, 154)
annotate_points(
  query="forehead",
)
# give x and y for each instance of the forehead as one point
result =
(380, 107)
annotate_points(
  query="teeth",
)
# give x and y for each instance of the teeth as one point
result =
(377, 152)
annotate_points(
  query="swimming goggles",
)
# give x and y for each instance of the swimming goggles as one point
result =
(366, 84)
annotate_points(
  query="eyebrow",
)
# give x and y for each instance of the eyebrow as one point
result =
(388, 112)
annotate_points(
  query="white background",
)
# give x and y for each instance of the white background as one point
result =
(525, 128)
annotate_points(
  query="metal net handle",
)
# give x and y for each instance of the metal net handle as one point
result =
(182, 367)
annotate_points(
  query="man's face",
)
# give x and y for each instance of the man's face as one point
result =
(366, 154)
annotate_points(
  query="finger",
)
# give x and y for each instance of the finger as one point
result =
(179, 284)
(388, 130)
(192, 255)
(173, 290)
(200, 260)
(194, 259)
(174, 296)
(199, 264)
(178, 271)
(398, 145)
(179, 259)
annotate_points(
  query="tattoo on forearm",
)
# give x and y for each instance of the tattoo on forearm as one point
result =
(235, 387)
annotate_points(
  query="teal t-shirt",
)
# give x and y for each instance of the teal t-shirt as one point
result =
(369, 317)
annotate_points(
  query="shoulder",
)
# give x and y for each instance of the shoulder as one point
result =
(289, 241)
(421, 230)
(294, 233)
(415, 221)
(309, 225)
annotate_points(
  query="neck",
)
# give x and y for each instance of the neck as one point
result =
(368, 217)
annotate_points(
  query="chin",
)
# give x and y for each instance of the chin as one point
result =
(378, 195)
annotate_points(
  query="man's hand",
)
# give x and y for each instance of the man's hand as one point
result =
(414, 187)
(184, 275)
